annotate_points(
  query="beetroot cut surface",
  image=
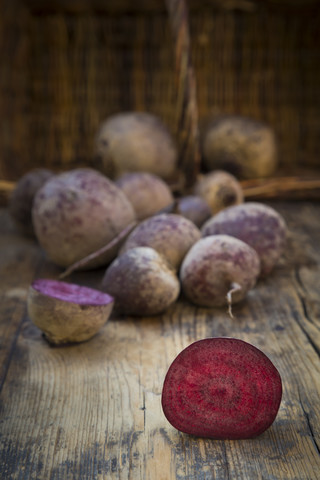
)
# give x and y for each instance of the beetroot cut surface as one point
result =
(70, 292)
(222, 388)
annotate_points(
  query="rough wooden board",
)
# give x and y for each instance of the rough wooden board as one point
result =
(93, 411)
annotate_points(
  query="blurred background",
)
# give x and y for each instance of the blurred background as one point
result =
(66, 66)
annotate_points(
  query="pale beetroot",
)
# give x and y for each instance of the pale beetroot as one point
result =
(241, 145)
(256, 224)
(169, 234)
(135, 142)
(222, 388)
(142, 282)
(66, 312)
(219, 189)
(147, 193)
(219, 270)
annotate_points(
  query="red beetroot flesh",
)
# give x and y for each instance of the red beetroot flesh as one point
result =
(69, 292)
(222, 388)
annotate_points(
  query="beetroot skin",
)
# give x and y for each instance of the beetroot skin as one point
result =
(256, 224)
(222, 388)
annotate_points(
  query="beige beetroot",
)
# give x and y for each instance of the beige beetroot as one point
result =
(241, 145)
(219, 189)
(135, 142)
(67, 313)
(142, 282)
(147, 193)
(219, 270)
(78, 212)
(169, 234)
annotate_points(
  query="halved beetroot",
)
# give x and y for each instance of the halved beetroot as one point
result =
(66, 312)
(222, 388)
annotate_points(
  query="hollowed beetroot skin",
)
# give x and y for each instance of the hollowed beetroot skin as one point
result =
(66, 312)
(222, 388)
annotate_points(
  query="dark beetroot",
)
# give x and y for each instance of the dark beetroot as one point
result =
(21, 200)
(256, 224)
(222, 388)
(66, 312)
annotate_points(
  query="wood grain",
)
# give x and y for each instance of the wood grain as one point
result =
(93, 411)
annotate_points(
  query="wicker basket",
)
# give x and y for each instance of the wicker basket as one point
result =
(66, 65)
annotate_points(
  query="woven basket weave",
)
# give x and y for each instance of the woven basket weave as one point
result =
(68, 65)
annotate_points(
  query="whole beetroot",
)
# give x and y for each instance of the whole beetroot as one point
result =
(169, 234)
(147, 193)
(21, 199)
(195, 208)
(219, 189)
(219, 270)
(256, 224)
(222, 388)
(135, 142)
(141, 282)
(241, 145)
(78, 212)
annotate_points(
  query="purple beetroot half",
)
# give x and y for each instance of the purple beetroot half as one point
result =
(66, 312)
(222, 388)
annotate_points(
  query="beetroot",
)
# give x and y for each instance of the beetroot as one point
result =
(169, 234)
(21, 200)
(256, 224)
(195, 208)
(219, 270)
(135, 142)
(222, 388)
(65, 312)
(219, 189)
(142, 282)
(78, 212)
(147, 193)
(241, 145)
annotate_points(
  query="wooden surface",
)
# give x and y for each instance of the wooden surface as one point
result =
(93, 411)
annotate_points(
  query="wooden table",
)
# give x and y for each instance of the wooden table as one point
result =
(93, 411)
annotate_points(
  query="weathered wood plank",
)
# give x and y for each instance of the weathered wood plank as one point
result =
(93, 411)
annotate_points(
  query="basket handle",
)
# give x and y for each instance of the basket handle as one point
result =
(185, 83)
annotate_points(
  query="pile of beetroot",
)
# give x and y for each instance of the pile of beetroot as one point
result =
(209, 246)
